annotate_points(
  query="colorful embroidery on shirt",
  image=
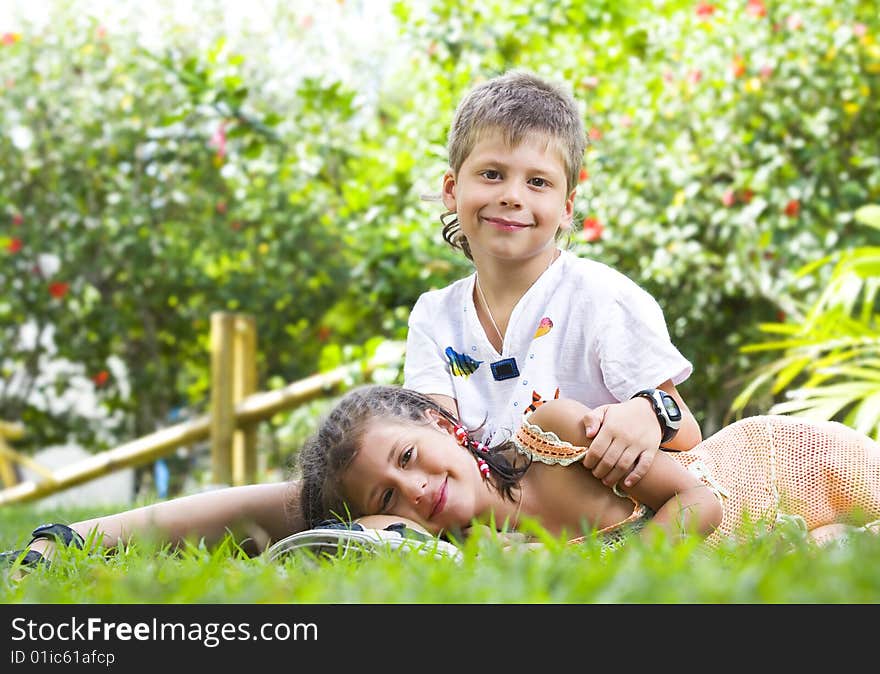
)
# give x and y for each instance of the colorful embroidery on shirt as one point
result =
(537, 401)
(460, 364)
(543, 327)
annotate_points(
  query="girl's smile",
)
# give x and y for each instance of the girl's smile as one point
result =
(418, 471)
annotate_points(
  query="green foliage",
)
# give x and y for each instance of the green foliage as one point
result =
(830, 367)
(168, 182)
(168, 186)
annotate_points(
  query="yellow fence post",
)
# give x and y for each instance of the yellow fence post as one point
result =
(222, 403)
(244, 378)
(8, 431)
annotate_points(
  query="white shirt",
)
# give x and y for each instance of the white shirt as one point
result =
(582, 328)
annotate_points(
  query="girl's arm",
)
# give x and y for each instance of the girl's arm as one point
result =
(681, 502)
(259, 514)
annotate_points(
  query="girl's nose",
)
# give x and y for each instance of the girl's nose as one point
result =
(414, 489)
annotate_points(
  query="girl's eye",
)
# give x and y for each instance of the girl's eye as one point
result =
(406, 456)
(386, 499)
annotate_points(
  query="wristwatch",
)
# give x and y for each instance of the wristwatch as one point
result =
(667, 411)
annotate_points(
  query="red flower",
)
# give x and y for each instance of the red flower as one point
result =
(14, 246)
(780, 316)
(592, 228)
(756, 8)
(747, 196)
(694, 76)
(738, 67)
(595, 133)
(58, 289)
(10, 38)
(101, 378)
(794, 22)
(792, 208)
(765, 72)
(590, 82)
(728, 198)
(17, 219)
(324, 333)
(704, 10)
(221, 207)
(583, 175)
(218, 140)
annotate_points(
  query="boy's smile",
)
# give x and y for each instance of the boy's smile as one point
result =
(510, 201)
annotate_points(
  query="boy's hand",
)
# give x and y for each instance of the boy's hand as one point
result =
(625, 439)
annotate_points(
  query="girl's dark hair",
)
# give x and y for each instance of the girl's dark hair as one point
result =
(327, 454)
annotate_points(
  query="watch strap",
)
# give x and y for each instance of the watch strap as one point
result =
(59, 533)
(667, 432)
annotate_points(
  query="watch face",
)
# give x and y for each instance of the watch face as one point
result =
(671, 407)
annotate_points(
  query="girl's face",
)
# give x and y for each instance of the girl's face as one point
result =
(417, 471)
(510, 201)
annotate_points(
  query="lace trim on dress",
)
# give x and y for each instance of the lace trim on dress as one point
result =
(545, 446)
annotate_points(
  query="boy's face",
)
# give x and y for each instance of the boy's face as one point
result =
(416, 471)
(510, 201)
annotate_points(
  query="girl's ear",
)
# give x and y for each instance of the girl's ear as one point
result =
(448, 190)
(439, 422)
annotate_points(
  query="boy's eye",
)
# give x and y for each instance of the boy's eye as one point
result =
(491, 174)
(538, 182)
(406, 456)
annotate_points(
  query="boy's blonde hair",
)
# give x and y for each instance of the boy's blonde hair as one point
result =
(516, 104)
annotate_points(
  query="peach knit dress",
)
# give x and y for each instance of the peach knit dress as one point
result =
(762, 468)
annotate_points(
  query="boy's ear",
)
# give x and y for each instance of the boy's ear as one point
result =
(448, 190)
(568, 211)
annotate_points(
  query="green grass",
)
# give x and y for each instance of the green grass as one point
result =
(775, 568)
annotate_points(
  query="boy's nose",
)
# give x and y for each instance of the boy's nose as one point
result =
(510, 197)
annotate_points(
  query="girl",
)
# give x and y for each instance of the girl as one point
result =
(391, 451)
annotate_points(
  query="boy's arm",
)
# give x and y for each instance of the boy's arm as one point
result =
(681, 502)
(262, 513)
(626, 437)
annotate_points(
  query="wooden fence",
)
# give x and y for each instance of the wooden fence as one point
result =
(231, 423)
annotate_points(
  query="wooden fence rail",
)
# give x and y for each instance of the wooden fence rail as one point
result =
(242, 415)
